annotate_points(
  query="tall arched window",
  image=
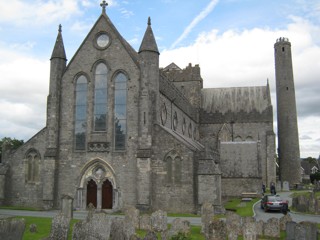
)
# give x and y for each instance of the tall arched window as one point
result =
(81, 113)
(100, 98)
(32, 166)
(120, 111)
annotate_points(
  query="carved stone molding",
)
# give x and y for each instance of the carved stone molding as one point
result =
(99, 147)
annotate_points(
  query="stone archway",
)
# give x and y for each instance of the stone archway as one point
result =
(98, 186)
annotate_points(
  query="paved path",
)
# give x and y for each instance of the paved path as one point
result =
(259, 214)
(77, 215)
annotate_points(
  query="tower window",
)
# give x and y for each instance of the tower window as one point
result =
(282, 49)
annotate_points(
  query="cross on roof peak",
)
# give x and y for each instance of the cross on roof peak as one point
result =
(103, 5)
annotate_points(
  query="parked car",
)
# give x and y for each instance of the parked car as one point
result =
(273, 203)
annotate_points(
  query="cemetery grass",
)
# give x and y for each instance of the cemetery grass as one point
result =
(244, 209)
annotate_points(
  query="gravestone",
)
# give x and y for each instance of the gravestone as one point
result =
(59, 227)
(151, 236)
(272, 228)
(259, 227)
(67, 206)
(283, 221)
(290, 230)
(306, 230)
(132, 215)
(95, 227)
(12, 229)
(285, 186)
(207, 214)
(121, 229)
(145, 222)
(250, 231)
(217, 230)
(179, 226)
(159, 221)
(234, 224)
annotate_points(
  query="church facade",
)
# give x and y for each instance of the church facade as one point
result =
(121, 131)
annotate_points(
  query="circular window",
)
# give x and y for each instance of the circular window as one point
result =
(102, 40)
(163, 114)
(175, 121)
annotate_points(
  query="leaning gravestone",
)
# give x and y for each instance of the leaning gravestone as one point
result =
(159, 221)
(12, 229)
(59, 227)
(234, 225)
(290, 230)
(95, 227)
(283, 221)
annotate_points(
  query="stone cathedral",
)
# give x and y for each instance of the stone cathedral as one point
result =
(121, 132)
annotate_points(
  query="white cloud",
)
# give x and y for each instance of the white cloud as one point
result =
(40, 12)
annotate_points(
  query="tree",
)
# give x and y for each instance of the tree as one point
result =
(14, 143)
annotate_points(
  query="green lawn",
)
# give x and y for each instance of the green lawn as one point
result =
(244, 209)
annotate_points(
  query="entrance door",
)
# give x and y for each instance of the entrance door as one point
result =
(92, 193)
(107, 192)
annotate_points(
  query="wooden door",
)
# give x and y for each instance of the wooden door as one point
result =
(107, 197)
(92, 193)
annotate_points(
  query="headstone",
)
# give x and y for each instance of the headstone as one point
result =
(12, 229)
(283, 221)
(207, 214)
(306, 230)
(272, 228)
(179, 226)
(95, 227)
(259, 227)
(121, 229)
(67, 206)
(132, 215)
(159, 221)
(145, 222)
(285, 186)
(33, 228)
(234, 223)
(250, 231)
(151, 236)
(217, 230)
(91, 210)
(290, 230)
(59, 227)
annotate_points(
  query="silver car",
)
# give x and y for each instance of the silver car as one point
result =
(272, 202)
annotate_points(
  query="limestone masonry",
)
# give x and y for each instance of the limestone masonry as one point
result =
(123, 132)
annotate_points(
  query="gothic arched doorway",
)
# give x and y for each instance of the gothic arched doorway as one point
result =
(107, 195)
(92, 193)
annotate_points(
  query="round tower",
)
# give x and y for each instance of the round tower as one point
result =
(288, 137)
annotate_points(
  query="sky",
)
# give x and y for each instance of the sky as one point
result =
(231, 40)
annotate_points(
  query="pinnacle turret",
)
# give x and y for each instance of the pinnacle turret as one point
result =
(149, 42)
(58, 50)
